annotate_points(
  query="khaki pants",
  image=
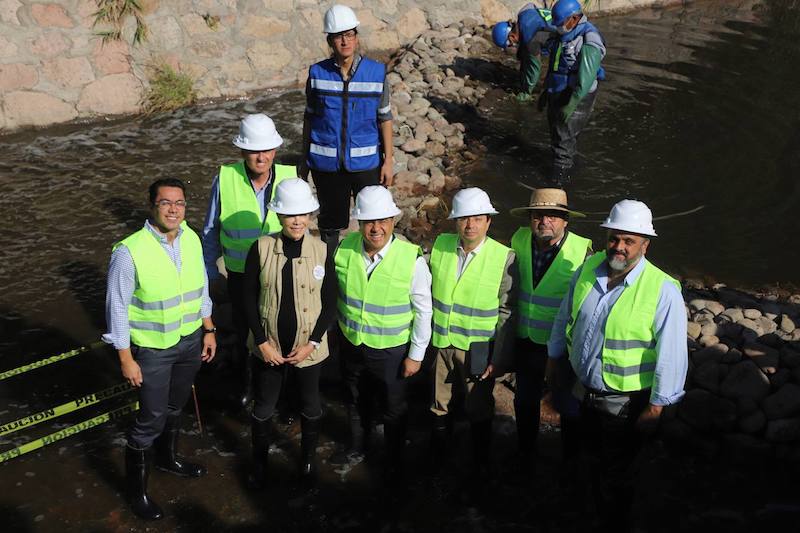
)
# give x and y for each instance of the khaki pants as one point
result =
(454, 388)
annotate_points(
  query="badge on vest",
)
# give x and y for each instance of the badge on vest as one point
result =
(319, 272)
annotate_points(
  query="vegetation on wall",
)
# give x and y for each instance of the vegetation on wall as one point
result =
(169, 89)
(114, 13)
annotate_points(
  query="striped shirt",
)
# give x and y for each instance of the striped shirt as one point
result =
(122, 283)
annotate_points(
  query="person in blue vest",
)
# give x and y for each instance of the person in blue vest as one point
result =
(159, 320)
(572, 82)
(237, 216)
(622, 324)
(347, 127)
(529, 33)
(547, 256)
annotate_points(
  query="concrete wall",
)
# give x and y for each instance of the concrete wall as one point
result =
(54, 68)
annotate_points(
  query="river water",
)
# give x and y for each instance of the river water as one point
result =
(699, 110)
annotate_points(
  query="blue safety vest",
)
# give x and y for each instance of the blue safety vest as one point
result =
(344, 125)
(532, 21)
(564, 53)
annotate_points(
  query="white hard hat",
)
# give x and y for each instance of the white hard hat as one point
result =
(257, 132)
(471, 201)
(340, 18)
(375, 202)
(631, 216)
(293, 197)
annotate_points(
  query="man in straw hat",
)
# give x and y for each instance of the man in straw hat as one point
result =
(474, 289)
(547, 256)
(623, 326)
(237, 216)
(385, 317)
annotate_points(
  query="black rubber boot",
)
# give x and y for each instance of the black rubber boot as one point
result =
(395, 433)
(260, 437)
(440, 433)
(308, 450)
(137, 468)
(357, 439)
(166, 447)
(481, 436)
(247, 382)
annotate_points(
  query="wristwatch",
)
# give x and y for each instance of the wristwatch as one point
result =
(207, 331)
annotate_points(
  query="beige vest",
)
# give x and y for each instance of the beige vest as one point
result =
(308, 271)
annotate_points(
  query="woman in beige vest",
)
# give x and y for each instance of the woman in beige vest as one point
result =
(290, 301)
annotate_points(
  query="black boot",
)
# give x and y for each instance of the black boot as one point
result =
(166, 446)
(481, 436)
(357, 438)
(308, 449)
(395, 433)
(137, 467)
(247, 382)
(439, 436)
(260, 436)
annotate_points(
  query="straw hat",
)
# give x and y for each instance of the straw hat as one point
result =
(549, 200)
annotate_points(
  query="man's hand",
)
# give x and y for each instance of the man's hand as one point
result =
(130, 368)
(302, 171)
(410, 367)
(523, 98)
(488, 373)
(387, 173)
(270, 354)
(300, 354)
(647, 423)
(209, 347)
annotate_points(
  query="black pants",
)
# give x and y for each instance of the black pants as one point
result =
(334, 190)
(269, 380)
(236, 294)
(167, 377)
(374, 376)
(611, 443)
(564, 135)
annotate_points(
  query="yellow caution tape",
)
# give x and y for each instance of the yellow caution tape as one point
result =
(68, 432)
(50, 360)
(74, 405)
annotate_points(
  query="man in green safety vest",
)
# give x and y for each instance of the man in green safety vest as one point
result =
(159, 320)
(384, 315)
(547, 256)
(623, 325)
(474, 292)
(237, 216)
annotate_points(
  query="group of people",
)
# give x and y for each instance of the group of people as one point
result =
(605, 331)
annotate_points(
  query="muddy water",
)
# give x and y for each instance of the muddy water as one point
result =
(699, 109)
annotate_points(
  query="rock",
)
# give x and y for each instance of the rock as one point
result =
(269, 58)
(767, 325)
(715, 307)
(412, 23)
(733, 314)
(746, 448)
(405, 184)
(710, 329)
(707, 376)
(413, 146)
(707, 412)
(708, 340)
(112, 57)
(772, 340)
(28, 108)
(111, 95)
(790, 358)
(455, 142)
(765, 357)
(786, 324)
(437, 183)
(452, 182)
(745, 380)
(752, 313)
(68, 71)
(752, 325)
(784, 403)
(434, 149)
(15, 76)
(8, 11)
(734, 355)
(51, 16)
(693, 329)
(713, 353)
(419, 164)
(746, 406)
(49, 44)
(780, 378)
(494, 11)
(783, 430)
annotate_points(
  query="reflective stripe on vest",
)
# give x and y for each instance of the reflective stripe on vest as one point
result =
(629, 351)
(165, 304)
(564, 52)
(375, 311)
(465, 309)
(240, 214)
(344, 116)
(537, 307)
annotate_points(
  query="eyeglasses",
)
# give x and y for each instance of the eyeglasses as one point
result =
(166, 204)
(344, 36)
(541, 215)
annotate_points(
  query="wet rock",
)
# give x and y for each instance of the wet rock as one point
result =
(784, 403)
(734, 355)
(708, 340)
(707, 376)
(780, 378)
(752, 325)
(706, 412)
(745, 380)
(790, 358)
(714, 353)
(733, 314)
(772, 340)
(786, 324)
(765, 357)
(752, 423)
(783, 430)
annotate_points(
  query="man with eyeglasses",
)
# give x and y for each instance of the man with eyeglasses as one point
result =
(547, 255)
(159, 320)
(237, 216)
(347, 127)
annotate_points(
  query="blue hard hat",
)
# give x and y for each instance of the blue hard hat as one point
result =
(500, 34)
(563, 10)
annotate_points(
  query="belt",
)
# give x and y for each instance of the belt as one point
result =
(611, 403)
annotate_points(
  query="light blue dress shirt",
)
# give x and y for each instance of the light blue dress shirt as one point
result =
(122, 283)
(589, 334)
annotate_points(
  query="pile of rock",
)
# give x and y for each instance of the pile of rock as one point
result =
(744, 371)
(429, 149)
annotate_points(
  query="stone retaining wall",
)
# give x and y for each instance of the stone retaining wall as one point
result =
(54, 68)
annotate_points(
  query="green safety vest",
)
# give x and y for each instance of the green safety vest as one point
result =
(240, 214)
(465, 308)
(629, 351)
(375, 311)
(538, 307)
(166, 303)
